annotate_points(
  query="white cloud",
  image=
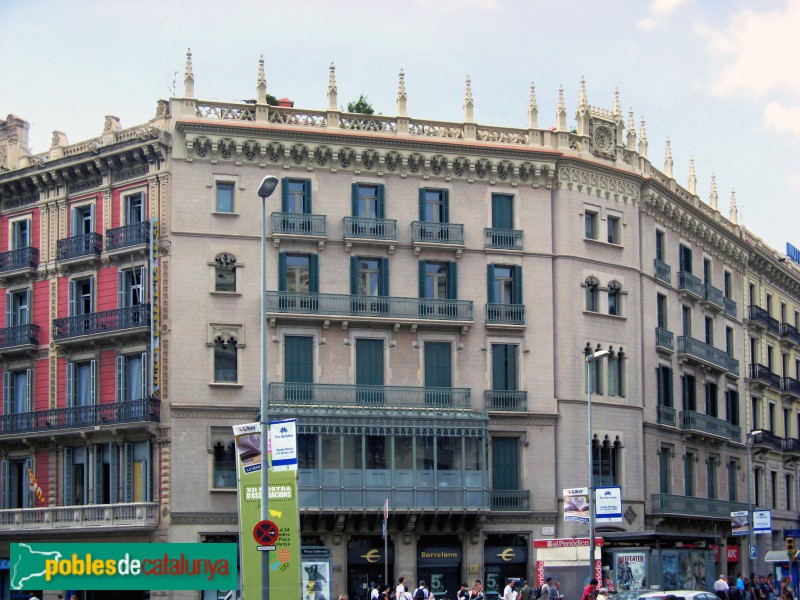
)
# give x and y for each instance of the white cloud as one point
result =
(659, 11)
(782, 118)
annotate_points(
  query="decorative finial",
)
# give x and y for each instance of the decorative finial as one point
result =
(668, 160)
(261, 82)
(188, 79)
(692, 177)
(643, 140)
(583, 99)
(631, 136)
(469, 104)
(533, 110)
(734, 210)
(402, 97)
(561, 114)
(617, 112)
(332, 89)
(714, 197)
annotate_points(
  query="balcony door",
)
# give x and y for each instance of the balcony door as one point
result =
(370, 370)
(16, 489)
(438, 372)
(505, 463)
(298, 372)
(134, 209)
(20, 234)
(81, 296)
(18, 308)
(82, 220)
(131, 287)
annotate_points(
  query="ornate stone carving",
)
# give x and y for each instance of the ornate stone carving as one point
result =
(598, 183)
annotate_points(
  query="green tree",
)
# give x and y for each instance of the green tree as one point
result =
(362, 106)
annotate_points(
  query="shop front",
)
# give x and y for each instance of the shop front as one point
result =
(366, 564)
(504, 561)
(439, 565)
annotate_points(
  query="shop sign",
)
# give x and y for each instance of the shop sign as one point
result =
(762, 521)
(733, 554)
(440, 556)
(505, 555)
(315, 552)
(366, 555)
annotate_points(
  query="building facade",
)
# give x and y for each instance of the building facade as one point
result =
(433, 289)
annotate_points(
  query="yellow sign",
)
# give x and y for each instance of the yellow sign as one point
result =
(372, 556)
(506, 555)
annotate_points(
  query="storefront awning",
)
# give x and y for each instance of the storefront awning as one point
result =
(776, 556)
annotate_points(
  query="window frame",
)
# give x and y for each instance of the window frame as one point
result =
(591, 224)
(614, 229)
(219, 186)
(224, 261)
(218, 333)
(218, 435)
(124, 199)
(78, 210)
(13, 225)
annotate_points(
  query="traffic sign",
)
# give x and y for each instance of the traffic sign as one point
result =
(265, 533)
(753, 552)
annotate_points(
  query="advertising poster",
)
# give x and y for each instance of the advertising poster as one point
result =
(316, 579)
(740, 523)
(608, 504)
(692, 571)
(631, 570)
(576, 505)
(669, 570)
(762, 521)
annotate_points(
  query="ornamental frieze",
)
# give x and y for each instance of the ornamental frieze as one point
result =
(600, 184)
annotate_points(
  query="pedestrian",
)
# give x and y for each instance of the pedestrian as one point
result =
(508, 592)
(463, 592)
(590, 591)
(375, 592)
(421, 592)
(32, 596)
(771, 586)
(400, 589)
(721, 587)
(555, 591)
(602, 593)
(477, 591)
(525, 592)
(544, 593)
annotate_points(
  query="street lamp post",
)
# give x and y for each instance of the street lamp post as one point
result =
(268, 185)
(590, 358)
(750, 499)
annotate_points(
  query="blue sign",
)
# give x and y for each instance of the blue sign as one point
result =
(792, 252)
(753, 553)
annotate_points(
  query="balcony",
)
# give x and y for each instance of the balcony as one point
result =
(690, 285)
(510, 500)
(759, 318)
(761, 374)
(790, 335)
(664, 340)
(705, 354)
(663, 271)
(369, 309)
(23, 261)
(373, 400)
(690, 506)
(791, 387)
(505, 315)
(79, 249)
(425, 234)
(295, 226)
(667, 416)
(363, 230)
(767, 439)
(128, 238)
(22, 338)
(506, 400)
(131, 320)
(698, 422)
(791, 445)
(503, 239)
(730, 307)
(94, 415)
(95, 517)
(713, 297)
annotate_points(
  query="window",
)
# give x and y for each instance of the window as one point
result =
(131, 287)
(773, 485)
(685, 258)
(81, 390)
(732, 406)
(370, 370)
(688, 473)
(709, 331)
(133, 207)
(614, 233)
(121, 473)
(298, 367)
(224, 467)
(605, 456)
(368, 201)
(664, 469)
(82, 220)
(686, 318)
(18, 308)
(753, 350)
(298, 277)
(504, 372)
(225, 273)
(786, 423)
(783, 312)
(789, 484)
(225, 197)
(505, 463)
(758, 486)
(614, 298)
(438, 372)
(706, 271)
(307, 451)
(616, 374)
(728, 280)
(770, 356)
(771, 417)
(769, 304)
(755, 413)
(132, 377)
(752, 293)
(20, 234)
(660, 245)
(664, 375)
(592, 294)
(17, 392)
(505, 284)
(729, 341)
(76, 476)
(81, 296)
(689, 392)
(502, 211)
(16, 491)
(369, 276)
(438, 280)
(711, 477)
(733, 468)
(225, 359)
(661, 307)
(711, 399)
(590, 225)
(434, 206)
(296, 196)
(594, 383)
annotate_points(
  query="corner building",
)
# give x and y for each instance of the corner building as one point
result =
(432, 291)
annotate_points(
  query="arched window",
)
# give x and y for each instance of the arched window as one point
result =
(605, 461)
(614, 298)
(592, 294)
(225, 359)
(225, 272)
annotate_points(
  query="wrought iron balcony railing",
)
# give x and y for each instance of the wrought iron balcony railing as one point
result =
(505, 314)
(706, 353)
(689, 283)
(16, 260)
(370, 229)
(663, 271)
(713, 296)
(729, 307)
(767, 438)
(789, 333)
(511, 500)
(299, 224)
(665, 339)
(691, 419)
(791, 445)
(506, 400)
(692, 506)
(102, 322)
(791, 386)
(132, 411)
(389, 307)
(94, 516)
(760, 317)
(128, 235)
(502, 239)
(667, 415)
(89, 244)
(21, 335)
(425, 232)
(763, 374)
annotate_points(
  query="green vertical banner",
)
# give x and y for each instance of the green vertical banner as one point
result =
(285, 560)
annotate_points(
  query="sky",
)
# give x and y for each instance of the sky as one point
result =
(718, 78)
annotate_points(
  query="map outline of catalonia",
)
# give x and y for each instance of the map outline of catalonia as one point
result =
(16, 583)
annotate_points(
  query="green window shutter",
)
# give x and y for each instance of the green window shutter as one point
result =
(517, 274)
(452, 281)
(421, 204)
(284, 194)
(438, 364)
(354, 275)
(354, 199)
(113, 472)
(29, 500)
(5, 487)
(298, 352)
(422, 277)
(144, 391)
(663, 470)
(661, 391)
(502, 215)
(122, 297)
(381, 201)
(127, 465)
(69, 478)
(70, 384)
(97, 453)
(121, 364)
(91, 294)
(7, 394)
(26, 316)
(281, 271)
(92, 382)
(384, 280)
(71, 293)
(490, 284)
(313, 280)
(498, 367)
(307, 206)
(445, 206)
(10, 322)
(497, 211)
(505, 463)
(369, 362)
(28, 388)
(668, 386)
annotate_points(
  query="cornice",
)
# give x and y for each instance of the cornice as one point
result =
(763, 263)
(204, 518)
(178, 411)
(598, 180)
